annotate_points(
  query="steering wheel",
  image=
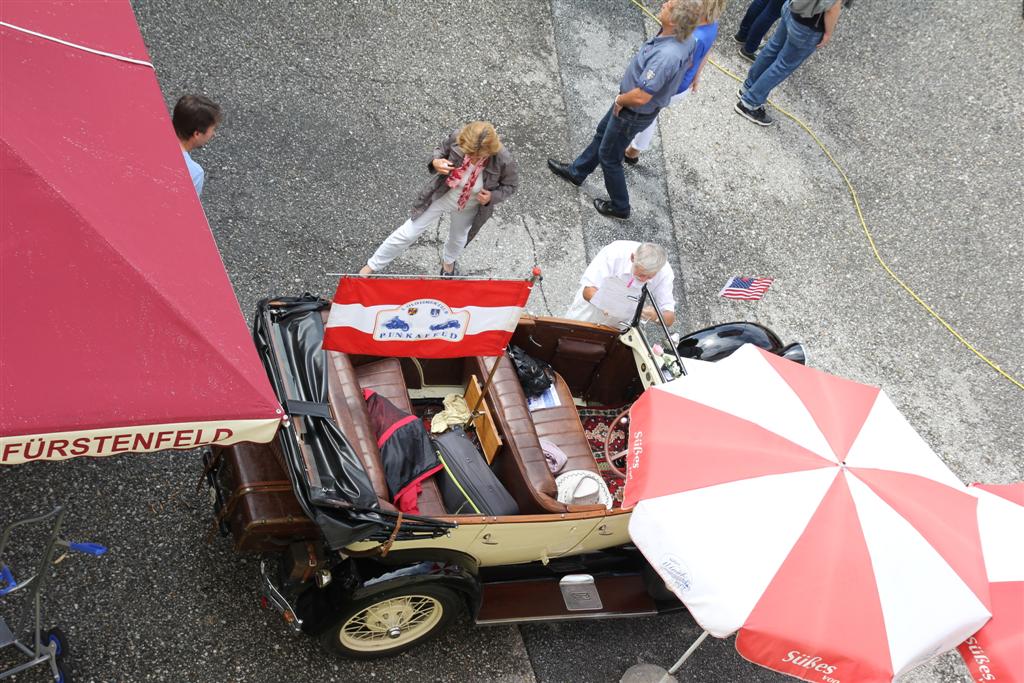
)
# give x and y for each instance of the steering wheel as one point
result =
(609, 456)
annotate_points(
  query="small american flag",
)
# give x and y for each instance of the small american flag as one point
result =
(746, 288)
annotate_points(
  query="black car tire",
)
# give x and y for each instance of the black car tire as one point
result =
(390, 622)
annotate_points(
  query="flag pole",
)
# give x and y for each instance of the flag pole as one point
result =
(483, 389)
(535, 277)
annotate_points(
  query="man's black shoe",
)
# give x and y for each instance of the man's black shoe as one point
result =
(604, 207)
(741, 41)
(758, 116)
(563, 171)
(749, 56)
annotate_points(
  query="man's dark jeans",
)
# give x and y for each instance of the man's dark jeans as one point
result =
(757, 21)
(610, 141)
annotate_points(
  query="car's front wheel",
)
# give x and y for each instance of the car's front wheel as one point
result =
(391, 622)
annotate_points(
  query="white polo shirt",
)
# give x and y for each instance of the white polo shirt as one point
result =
(614, 261)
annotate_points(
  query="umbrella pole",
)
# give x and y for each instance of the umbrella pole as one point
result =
(686, 655)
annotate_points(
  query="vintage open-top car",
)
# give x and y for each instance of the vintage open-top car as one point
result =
(371, 581)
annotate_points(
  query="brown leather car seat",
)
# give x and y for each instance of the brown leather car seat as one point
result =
(561, 425)
(345, 391)
(525, 463)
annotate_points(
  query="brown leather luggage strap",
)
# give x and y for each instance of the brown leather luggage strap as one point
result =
(384, 548)
(268, 486)
(208, 467)
(255, 487)
(311, 554)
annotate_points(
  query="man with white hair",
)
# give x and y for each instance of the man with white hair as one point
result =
(650, 81)
(635, 264)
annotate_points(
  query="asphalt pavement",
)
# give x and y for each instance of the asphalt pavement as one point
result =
(332, 110)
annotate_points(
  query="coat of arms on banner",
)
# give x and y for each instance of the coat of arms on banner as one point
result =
(421, 320)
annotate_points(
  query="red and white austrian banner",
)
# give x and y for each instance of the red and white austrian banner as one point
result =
(428, 318)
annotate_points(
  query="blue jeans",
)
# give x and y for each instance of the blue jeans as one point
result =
(791, 44)
(613, 135)
(757, 21)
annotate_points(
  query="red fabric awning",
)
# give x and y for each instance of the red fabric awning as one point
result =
(116, 314)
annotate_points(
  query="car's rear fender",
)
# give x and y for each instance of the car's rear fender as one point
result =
(356, 579)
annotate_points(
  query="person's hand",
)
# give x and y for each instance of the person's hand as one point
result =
(824, 39)
(693, 86)
(649, 313)
(484, 197)
(442, 166)
(616, 107)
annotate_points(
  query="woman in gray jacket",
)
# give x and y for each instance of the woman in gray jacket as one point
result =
(472, 172)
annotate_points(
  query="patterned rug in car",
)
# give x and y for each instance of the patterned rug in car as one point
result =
(595, 424)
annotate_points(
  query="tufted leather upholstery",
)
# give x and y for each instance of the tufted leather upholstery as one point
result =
(349, 407)
(385, 377)
(524, 460)
(561, 425)
(345, 389)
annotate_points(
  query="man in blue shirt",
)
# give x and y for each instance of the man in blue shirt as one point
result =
(195, 122)
(704, 37)
(650, 81)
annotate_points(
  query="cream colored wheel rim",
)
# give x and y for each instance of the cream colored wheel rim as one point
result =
(391, 623)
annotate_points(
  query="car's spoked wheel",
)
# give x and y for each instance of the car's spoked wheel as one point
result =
(392, 622)
(616, 459)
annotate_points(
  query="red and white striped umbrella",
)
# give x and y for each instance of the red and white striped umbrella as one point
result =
(996, 652)
(803, 511)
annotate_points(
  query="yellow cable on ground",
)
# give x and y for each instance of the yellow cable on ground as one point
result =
(863, 224)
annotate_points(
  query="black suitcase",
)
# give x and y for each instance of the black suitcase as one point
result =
(468, 486)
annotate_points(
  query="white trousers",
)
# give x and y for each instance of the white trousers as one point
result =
(642, 141)
(458, 232)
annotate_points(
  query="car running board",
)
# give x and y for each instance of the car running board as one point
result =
(574, 596)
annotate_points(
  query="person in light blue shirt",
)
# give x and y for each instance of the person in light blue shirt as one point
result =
(195, 171)
(704, 37)
(650, 81)
(195, 122)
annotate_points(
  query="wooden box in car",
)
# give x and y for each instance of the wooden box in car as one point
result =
(260, 508)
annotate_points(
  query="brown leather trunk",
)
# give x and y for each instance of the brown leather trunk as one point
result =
(260, 507)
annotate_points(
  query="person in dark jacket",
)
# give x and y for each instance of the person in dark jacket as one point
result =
(759, 18)
(406, 453)
(472, 172)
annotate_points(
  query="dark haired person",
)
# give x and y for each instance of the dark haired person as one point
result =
(195, 122)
